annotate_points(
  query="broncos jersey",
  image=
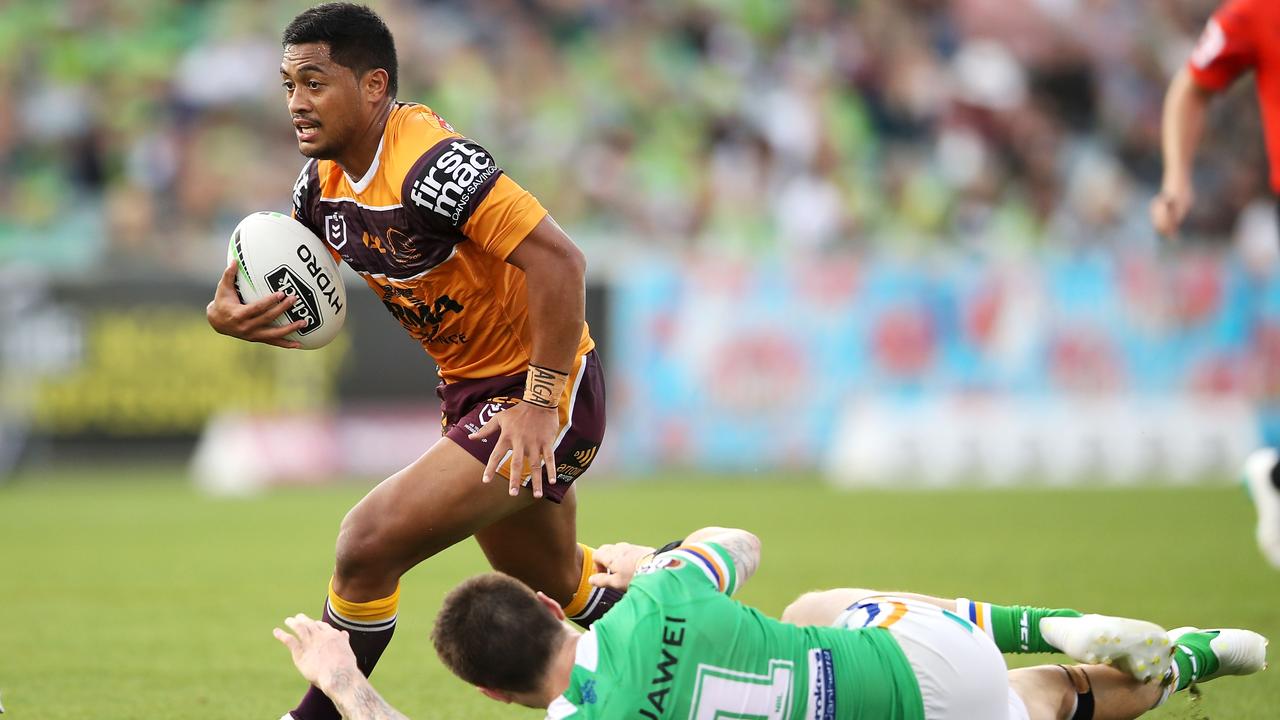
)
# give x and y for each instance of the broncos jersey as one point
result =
(429, 228)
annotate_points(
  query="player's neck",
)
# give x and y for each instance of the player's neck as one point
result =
(357, 161)
(561, 671)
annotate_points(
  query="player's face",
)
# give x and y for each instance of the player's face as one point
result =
(324, 100)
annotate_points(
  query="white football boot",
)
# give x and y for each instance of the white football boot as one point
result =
(1140, 648)
(1236, 652)
(1266, 498)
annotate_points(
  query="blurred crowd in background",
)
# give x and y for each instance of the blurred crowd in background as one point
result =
(138, 132)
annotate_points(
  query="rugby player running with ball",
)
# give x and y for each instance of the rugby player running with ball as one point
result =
(477, 272)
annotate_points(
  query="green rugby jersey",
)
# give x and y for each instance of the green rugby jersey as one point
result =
(677, 646)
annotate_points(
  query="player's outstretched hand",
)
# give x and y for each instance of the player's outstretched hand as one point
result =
(616, 564)
(250, 322)
(529, 432)
(319, 650)
(1169, 209)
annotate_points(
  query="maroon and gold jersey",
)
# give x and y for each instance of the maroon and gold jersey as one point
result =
(429, 228)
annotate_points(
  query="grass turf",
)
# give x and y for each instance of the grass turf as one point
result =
(136, 597)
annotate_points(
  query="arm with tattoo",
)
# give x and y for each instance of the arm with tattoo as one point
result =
(356, 699)
(742, 546)
(323, 655)
(616, 563)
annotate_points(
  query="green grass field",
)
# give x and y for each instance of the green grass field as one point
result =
(137, 598)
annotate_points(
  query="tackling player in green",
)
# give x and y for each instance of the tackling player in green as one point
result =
(678, 646)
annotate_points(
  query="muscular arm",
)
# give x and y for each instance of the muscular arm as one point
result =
(323, 656)
(1182, 126)
(619, 561)
(555, 273)
(356, 699)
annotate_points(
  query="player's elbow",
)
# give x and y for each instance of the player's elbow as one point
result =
(721, 535)
(744, 545)
(573, 264)
(752, 542)
(563, 266)
(1186, 92)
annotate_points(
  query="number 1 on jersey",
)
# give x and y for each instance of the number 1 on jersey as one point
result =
(720, 693)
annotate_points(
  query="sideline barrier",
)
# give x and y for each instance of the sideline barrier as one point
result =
(949, 441)
(756, 366)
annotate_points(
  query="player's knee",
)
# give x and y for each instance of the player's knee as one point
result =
(822, 607)
(361, 554)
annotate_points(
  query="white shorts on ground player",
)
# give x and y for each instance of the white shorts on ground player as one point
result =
(961, 673)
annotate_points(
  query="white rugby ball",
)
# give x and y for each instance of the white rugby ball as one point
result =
(275, 253)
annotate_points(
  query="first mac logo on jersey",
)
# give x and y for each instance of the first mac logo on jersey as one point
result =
(448, 185)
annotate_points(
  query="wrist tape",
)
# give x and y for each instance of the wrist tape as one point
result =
(544, 386)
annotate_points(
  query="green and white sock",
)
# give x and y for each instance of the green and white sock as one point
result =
(1193, 658)
(1013, 628)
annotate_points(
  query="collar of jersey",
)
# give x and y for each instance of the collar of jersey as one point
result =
(587, 654)
(359, 186)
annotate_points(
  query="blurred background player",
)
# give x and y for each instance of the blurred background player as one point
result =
(1238, 39)
(677, 644)
(476, 271)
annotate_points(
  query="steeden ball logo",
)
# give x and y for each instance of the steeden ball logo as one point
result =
(285, 280)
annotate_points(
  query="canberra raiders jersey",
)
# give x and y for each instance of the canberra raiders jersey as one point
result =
(677, 646)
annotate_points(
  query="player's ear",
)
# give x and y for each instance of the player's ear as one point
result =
(552, 605)
(376, 83)
(495, 694)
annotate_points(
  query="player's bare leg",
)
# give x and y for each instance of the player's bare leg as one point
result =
(539, 545)
(425, 508)
(1013, 628)
(1048, 692)
(822, 607)
(1081, 692)
(1100, 692)
(428, 506)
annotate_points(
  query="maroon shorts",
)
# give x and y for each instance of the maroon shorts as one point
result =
(466, 405)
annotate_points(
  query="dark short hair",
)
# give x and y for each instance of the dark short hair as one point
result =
(493, 632)
(358, 39)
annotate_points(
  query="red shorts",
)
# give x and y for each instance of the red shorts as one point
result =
(466, 405)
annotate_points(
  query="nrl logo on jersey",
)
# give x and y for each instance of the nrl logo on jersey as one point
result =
(448, 186)
(335, 230)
